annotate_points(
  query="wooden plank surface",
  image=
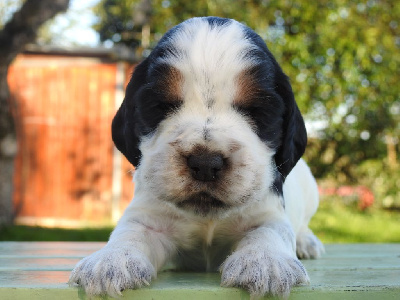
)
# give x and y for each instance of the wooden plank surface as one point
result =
(356, 271)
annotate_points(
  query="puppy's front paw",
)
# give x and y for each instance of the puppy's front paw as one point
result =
(112, 270)
(308, 246)
(261, 272)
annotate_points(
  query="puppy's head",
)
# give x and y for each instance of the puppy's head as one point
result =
(209, 119)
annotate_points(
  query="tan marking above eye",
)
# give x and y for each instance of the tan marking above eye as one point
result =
(246, 88)
(170, 82)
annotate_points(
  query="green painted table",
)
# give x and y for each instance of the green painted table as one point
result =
(353, 271)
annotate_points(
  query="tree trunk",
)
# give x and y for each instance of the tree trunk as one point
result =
(6, 190)
(8, 150)
(391, 151)
(18, 32)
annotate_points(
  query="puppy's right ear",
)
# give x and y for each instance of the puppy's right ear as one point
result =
(124, 128)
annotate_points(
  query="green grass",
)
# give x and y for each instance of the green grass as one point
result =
(335, 222)
(25, 233)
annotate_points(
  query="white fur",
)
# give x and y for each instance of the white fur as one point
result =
(153, 230)
(301, 197)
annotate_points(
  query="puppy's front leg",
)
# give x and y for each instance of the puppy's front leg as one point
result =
(130, 259)
(265, 261)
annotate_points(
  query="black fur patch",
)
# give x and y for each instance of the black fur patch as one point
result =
(147, 102)
(217, 21)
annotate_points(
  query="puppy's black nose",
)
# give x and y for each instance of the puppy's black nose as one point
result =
(205, 167)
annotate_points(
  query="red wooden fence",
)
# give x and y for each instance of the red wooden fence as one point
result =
(64, 168)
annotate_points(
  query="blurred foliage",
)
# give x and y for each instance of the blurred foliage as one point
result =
(343, 58)
(383, 180)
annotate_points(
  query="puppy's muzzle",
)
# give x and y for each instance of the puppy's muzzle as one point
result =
(206, 166)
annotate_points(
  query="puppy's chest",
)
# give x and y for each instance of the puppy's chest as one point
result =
(207, 246)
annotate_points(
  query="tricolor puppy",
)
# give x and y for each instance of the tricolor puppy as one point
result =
(210, 122)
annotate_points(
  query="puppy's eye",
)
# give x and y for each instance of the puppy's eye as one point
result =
(170, 105)
(251, 111)
(265, 116)
(262, 107)
(250, 114)
(247, 111)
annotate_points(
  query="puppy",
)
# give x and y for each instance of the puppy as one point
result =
(210, 122)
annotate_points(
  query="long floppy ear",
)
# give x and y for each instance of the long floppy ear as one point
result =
(124, 128)
(294, 135)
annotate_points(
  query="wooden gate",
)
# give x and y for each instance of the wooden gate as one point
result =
(64, 167)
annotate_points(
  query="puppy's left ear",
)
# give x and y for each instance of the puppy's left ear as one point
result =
(294, 135)
(125, 128)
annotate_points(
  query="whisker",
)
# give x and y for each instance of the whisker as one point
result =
(276, 188)
(277, 168)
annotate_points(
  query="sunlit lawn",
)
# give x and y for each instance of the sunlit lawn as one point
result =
(334, 222)
(25, 233)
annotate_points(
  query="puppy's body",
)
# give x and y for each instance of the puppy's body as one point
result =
(204, 242)
(210, 120)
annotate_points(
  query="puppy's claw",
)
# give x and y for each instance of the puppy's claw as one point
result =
(146, 282)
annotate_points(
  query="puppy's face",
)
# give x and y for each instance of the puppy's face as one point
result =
(209, 119)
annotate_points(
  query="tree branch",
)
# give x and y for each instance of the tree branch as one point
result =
(23, 26)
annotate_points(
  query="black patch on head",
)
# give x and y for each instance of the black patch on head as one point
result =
(274, 110)
(217, 21)
(145, 105)
(265, 109)
(260, 52)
